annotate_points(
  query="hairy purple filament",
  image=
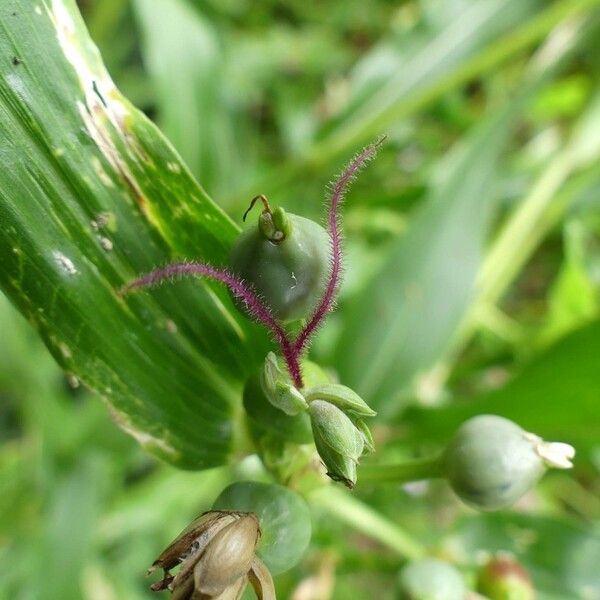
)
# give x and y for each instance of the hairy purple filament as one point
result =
(333, 223)
(291, 350)
(254, 304)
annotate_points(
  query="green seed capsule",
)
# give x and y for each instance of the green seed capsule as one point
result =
(284, 519)
(286, 260)
(431, 579)
(491, 462)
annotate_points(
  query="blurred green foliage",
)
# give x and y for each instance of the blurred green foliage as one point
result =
(473, 243)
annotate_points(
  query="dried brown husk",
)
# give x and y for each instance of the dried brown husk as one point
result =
(228, 556)
(217, 557)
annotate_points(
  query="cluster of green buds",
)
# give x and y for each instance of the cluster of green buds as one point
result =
(336, 414)
(216, 559)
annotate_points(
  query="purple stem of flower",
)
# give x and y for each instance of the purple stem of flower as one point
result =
(338, 191)
(255, 306)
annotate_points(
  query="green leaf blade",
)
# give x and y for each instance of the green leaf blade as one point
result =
(92, 195)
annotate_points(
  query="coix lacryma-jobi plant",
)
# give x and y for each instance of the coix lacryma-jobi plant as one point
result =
(284, 273)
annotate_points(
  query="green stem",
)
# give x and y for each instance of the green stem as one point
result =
(413, 470)
(340, 505)
(533, 218)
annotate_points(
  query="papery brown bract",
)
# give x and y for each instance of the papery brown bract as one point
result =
(216, 554)
(227, 557)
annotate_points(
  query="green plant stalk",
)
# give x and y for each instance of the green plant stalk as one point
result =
(523, 232)
(531, 221)
(344, 507)
(404, 472)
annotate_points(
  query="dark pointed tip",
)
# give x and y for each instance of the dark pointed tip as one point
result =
(380, 140)
(252, 203)
(341, 479)
(158, 586)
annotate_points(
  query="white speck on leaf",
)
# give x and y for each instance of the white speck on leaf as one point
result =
(38, 10)
(102, 174)
(65, 350)
(64, 262)
(105, 243)
(100, 221)
(73, 381)
(174, 167)
(17, 85)
(145, 439)
(103, 111)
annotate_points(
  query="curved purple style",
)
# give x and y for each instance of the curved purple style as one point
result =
(338, 191)
(256, 307)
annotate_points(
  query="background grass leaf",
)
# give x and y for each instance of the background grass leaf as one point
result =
(555, 396)
(404, 319)
(184, 56)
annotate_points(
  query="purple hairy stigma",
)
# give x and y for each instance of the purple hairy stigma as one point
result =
(338, 190)
(256, 307)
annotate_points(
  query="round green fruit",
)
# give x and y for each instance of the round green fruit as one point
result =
(431, 579)
(289, 274)
(491, 462)
(283, 516)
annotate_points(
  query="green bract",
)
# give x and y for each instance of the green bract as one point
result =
(283, 516)
(431, 579)
(339, 443)
(363, 428)
(265, 416)
(491, 462)
(278, 388)
(291, 274)
(341, 396)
